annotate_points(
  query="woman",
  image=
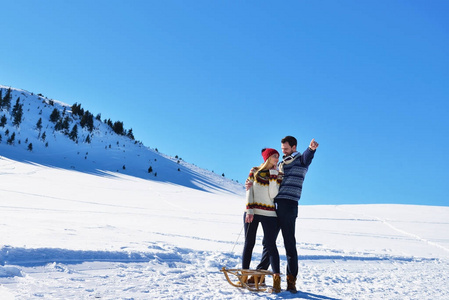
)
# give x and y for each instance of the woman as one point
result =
(260, 208)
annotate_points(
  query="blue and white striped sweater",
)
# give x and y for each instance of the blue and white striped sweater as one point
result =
(294, 173)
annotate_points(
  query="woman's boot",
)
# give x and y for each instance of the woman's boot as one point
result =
(243, 280)
(276, 283)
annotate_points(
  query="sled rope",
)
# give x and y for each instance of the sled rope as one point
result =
(236, 241)
(238, 237)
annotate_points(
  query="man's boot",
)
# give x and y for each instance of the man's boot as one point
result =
(276, 283)
(291, 284)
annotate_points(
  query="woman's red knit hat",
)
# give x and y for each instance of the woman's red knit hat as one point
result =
(267, 152)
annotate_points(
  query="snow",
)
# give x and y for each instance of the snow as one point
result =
(79, 226)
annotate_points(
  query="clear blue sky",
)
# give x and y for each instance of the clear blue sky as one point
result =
(216, 81)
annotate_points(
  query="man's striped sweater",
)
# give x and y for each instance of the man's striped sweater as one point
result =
(294, 170)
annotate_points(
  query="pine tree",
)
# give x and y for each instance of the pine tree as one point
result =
(66, 124)
(11, 139)
(3, 121)
(87, 120)
(55, 116)
(30, 146)
(77, 110)
(17, 113)
(59, 125)
(130, 134)
(74, 133)
(6, 101)
(39, 124)
(118, 127)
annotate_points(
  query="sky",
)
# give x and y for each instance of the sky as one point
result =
(214, 82)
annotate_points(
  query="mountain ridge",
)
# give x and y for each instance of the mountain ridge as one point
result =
(97, 150)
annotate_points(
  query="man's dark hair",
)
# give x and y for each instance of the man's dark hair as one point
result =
(290, 140)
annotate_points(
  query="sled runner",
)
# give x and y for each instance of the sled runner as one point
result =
(244, 274)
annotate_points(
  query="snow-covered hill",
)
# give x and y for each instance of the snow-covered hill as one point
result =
(106, 151)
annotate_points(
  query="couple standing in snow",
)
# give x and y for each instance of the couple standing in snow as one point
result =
(272, 200)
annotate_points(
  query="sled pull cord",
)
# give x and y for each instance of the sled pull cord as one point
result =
(238, 237)
(233, 247)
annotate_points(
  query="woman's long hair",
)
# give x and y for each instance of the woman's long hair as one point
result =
(263, 166)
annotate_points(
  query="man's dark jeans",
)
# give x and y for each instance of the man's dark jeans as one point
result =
(287, 212)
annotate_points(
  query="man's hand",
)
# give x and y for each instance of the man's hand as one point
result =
(313, 145)
(248, 184)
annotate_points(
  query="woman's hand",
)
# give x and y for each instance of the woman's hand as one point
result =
(249, 218)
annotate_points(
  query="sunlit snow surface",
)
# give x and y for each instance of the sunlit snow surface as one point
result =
(66, 234)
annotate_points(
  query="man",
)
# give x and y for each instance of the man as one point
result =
(294, 166)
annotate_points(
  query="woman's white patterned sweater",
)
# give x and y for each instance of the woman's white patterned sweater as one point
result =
(260, 197)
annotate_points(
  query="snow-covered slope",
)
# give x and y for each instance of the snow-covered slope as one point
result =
(66, 234)
(106, 151)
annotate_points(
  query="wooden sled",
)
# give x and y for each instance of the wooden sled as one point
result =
(258, 275)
